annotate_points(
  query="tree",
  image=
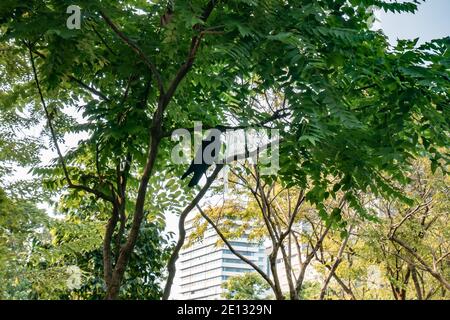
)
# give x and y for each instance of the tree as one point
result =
(42, 260)
(273, 211)
(249, 286)
(414, 240)
(407, 241)
(143, 278)
(403, 254)
(76, 242)
(21, 226)
(135, 79)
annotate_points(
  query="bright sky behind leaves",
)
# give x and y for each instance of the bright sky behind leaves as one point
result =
(430, 22)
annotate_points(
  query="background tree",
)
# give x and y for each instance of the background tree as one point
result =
(283, 216)
(357, 258)
(22, 225)
(249, 286)
(414, 241)
(375, 266)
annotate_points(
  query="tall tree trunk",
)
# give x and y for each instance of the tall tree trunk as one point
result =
(416, 282)
(289, 273)
(276, 280)
(107, 248)
(112, 291)
(156, 134)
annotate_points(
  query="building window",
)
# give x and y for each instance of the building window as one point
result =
(244, 253)
(231, 269)
(227, 260)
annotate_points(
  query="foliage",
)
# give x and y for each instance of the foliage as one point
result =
(359, 110)
(77, 242)
(310, 290)
(402, 254)
(22, 225)
(378, 267)
(423, 228)
(143, 278)
(37, 252)
(249, 286)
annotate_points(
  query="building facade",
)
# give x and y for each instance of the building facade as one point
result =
(203, 267)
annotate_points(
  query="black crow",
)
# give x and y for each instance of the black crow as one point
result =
(204, 158)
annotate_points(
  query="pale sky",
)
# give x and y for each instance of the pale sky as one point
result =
(430, 22)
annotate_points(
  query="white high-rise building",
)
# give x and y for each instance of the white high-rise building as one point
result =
(203, 267)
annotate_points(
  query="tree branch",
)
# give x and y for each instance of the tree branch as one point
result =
(335, 266)
(240, 256)
(90, 89)
(182, 232)
(55, 139)
(276, 116)
(103, 40)
(136, 49)
(435, 274)
(195, 44)
(107, 252)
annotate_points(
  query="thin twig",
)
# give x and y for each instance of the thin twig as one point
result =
(55, 139)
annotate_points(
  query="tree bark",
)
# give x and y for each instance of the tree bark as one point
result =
(112, 291)
(156, 134)
(171, 266)
(273, 267)
(438, 276)
(334, 267)
(416, 282)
